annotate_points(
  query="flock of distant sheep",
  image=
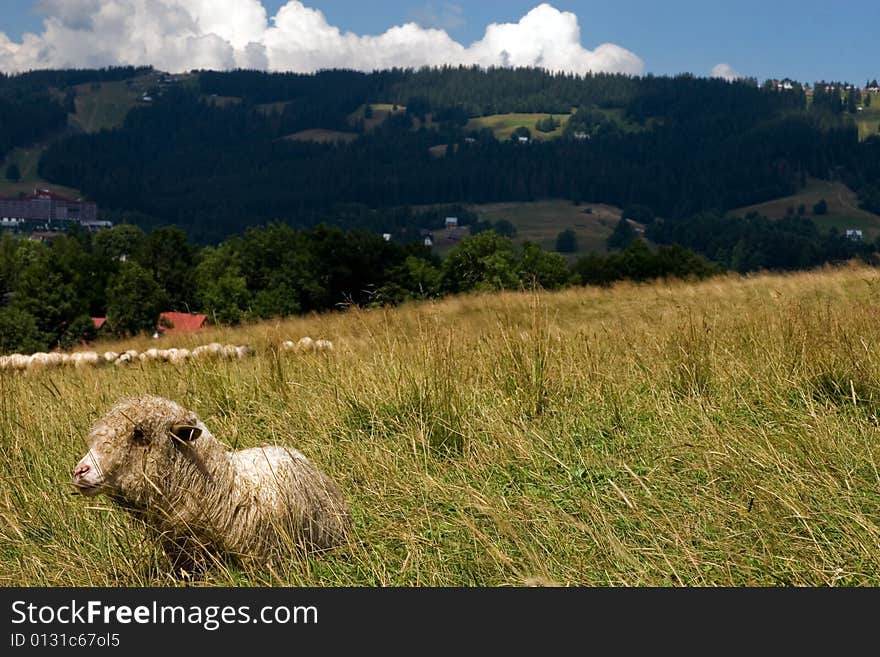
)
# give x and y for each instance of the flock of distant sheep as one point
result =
(82, 359)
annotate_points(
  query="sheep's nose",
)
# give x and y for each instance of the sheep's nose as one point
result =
(81, 469)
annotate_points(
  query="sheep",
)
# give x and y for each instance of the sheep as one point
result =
(178, 356)
(85, 359)
(110, 356)
(323, 345)
(288, 345)
(244, 350)
(158, 461)
(305, 344)
(37, 361)
(150, 354)
(18, 362)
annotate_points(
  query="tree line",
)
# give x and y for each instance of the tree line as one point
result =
(50, 291)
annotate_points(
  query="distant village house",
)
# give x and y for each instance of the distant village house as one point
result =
(171, 323)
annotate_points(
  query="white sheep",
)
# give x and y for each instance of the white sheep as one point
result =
(19, 362)
(38, 361)
(86, 359)
(323, 345)
(149, 354)
(110, 356)
(178, 356)
(159, 461)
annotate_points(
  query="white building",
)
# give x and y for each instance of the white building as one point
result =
(386, 237)
(854, 233)
(452, 222)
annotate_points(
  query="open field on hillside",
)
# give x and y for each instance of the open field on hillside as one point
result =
(719, 433)
(843, 208)
(222, 101)
(503, 125)
(322, 136)
(28, 159)
(271, 108)
(542, 221)
(381, 111)
(104, 105)
(868, 120)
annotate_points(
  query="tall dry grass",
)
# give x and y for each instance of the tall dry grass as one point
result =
(714, 433)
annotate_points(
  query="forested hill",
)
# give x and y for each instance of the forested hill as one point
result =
(219, 151)
(34, 105)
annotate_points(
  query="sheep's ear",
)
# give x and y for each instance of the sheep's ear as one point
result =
(185, 432)
(139, 436)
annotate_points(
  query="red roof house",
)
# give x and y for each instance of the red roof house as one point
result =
(99, 322)
(179, 323)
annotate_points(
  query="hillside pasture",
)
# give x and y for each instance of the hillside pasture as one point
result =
(721, 433)
(220, 101)
(28, 161)
(541, 221)
(323, 136)
(843, 208)
(267, 109)
(381, 111)
(503, 125)
(868, 120)
(104, 105)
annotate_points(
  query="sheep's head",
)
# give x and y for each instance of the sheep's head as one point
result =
(134, 446)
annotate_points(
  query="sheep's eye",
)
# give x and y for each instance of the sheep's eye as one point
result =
(138, 436)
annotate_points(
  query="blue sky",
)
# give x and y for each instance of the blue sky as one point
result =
(807, 40)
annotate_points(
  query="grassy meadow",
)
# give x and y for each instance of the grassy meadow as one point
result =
(323, 136)
(868, 120)
(542, 221)
(843, 208)
(686, 434)
(503, 125)
(381, 111)
(28, 161)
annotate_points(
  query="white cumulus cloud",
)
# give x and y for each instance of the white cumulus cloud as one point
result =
(725, 71)
(180, 35)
